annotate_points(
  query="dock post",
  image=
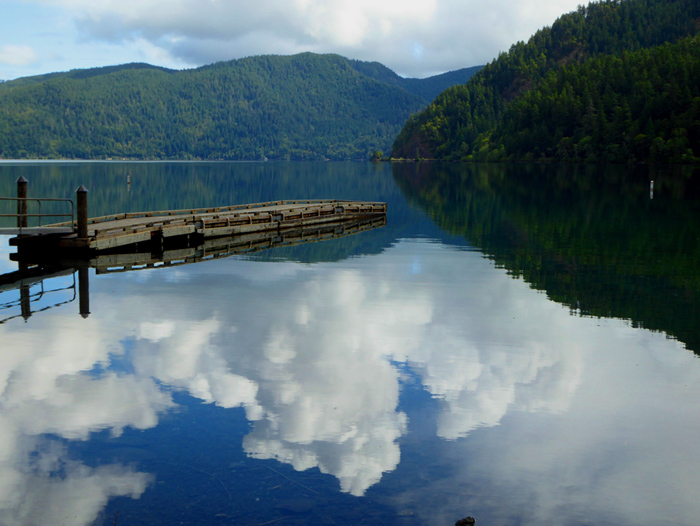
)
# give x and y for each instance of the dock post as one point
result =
(21, 202)
(82, 212)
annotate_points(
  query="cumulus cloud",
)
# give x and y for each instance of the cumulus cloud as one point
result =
(18, 55)
(413, 37)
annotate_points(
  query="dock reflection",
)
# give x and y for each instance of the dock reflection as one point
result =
(36, 268)
(30, 281)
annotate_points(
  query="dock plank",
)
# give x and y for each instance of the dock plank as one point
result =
(133, 228)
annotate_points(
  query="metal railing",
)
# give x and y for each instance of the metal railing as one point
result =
(22, 215)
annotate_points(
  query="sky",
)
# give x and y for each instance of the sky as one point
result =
(415, 38)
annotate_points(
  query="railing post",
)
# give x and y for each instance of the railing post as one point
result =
(22, 202)
(82, 212)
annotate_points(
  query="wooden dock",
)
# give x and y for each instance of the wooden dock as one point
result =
(133, 241)
(192, 227)
(36, 266)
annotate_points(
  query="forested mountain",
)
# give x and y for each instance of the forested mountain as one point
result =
(427, 88)
(617, 81)
(305, 106)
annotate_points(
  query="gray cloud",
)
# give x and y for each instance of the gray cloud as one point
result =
(413, 37)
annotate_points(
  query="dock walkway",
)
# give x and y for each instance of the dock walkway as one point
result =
(157, 228)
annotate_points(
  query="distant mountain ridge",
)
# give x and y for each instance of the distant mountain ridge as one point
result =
(305, 106)
(82, 73)
(616, 81)
(427, 88)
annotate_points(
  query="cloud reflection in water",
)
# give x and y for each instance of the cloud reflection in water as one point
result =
(310, 352)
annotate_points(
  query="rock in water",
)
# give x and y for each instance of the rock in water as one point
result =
(466, 521)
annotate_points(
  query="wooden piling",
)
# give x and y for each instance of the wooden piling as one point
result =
(82, 212)
(22, 202)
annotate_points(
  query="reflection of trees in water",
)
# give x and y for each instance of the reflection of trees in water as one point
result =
(173, 185)
(591, 237)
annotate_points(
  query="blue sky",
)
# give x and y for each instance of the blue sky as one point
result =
(415, 38)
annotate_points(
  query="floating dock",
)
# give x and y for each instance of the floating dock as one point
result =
(135, 241)
(131, 258)
(192, 227)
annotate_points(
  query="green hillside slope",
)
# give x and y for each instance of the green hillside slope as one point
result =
(505, 111)
(305, 106)
(427, 88)
(641, 106)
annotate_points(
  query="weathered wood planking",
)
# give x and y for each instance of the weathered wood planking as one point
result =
(119, 230)
(221, 247)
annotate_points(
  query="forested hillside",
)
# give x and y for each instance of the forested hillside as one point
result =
(305, 106)
(617, 81)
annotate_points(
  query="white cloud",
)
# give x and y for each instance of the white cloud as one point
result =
(315, 373)
(18, 55)
(450, 34)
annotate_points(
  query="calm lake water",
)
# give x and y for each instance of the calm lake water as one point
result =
(519, 344)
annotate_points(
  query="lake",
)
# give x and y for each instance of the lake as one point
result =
(519, 344)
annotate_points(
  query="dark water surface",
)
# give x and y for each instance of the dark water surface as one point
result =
(518, 343)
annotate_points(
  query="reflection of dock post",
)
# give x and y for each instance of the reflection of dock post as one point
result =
(82, 212)
(84, 291)
(21, 202)
(25, 301)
